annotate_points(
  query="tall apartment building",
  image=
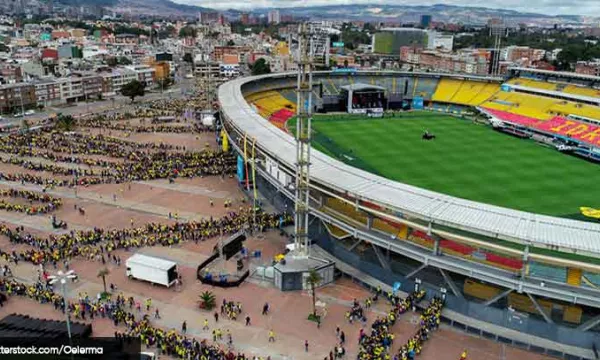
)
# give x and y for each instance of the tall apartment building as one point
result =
(47, 92)
(13, 97)
(145, 74)
(274, 17)
(113, 81)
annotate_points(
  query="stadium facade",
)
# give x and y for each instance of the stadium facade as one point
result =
(527, 279)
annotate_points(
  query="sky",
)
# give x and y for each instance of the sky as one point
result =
(550, 7)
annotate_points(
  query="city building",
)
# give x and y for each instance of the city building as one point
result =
(274, 17)
(588, 67)
(220, 51)
(205, 69)
(439, 41)
(425, 21)
(230, 66)
(162, 70)
(16, 97)
(145, 74)
(47, 92)
(113, 81)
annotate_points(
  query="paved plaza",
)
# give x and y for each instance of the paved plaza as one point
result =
(127, 205)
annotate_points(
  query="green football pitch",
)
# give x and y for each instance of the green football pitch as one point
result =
(466, 160)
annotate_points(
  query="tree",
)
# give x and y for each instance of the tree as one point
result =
(65, 123)
(313, 280)
(124, 60)
(25, 125)
(164, 83)
(133, 89)
(188, 31)
(103, 273)
(260, 67)
(111, 61)
(208, 300)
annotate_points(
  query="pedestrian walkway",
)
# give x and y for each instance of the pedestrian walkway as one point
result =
(196, 190)
(453, 316)
(107, 200)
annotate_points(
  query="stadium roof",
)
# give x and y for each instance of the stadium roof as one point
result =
(558, 73)
(360, 86)
(494, 221)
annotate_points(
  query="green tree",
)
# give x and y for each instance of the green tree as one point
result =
(208, 300)
(133, 89)
(103, 273)
(313, 280)
(25, 125)
(164, 83)
(124, 60)
(188, 31)
(111, 61)
(65, 123)
(260, 67)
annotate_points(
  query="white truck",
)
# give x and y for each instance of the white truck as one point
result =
(152, 269)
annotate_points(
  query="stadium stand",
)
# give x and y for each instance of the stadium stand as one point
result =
(549, 272)
(274, 106)
(425, 87)
(523, 303)
(513, 118)
(480, 291)
(474, 93)
(446, 90)
(574, 276)
(579, 90)
(336, 232)
(572, 314)
(289, 94)
(536, 84)
(521, 104)
(566, 108)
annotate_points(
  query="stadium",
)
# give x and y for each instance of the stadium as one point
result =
(481, 187)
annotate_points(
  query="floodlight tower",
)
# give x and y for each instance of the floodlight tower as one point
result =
(303, 132)
(497, 30)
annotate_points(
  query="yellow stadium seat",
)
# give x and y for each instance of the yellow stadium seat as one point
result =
(537, 84)
(574, 276)
(446, 90)
(579, 90)
(479, 290)
(269, 102)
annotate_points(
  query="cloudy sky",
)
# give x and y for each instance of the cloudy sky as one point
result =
(566, 7)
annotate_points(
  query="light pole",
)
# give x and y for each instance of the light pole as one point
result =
(62, 278)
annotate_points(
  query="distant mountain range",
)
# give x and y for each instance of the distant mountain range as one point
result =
(439, 12)
(146, 7)
(384, 13)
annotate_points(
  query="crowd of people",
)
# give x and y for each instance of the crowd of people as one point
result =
(115, 122)
(376, 345)
(136, 161)
(38, 203)
(429, 321)
(120, 310)
(98, 244)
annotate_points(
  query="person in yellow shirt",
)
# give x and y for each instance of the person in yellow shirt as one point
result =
(271, 336)
(463, 356)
